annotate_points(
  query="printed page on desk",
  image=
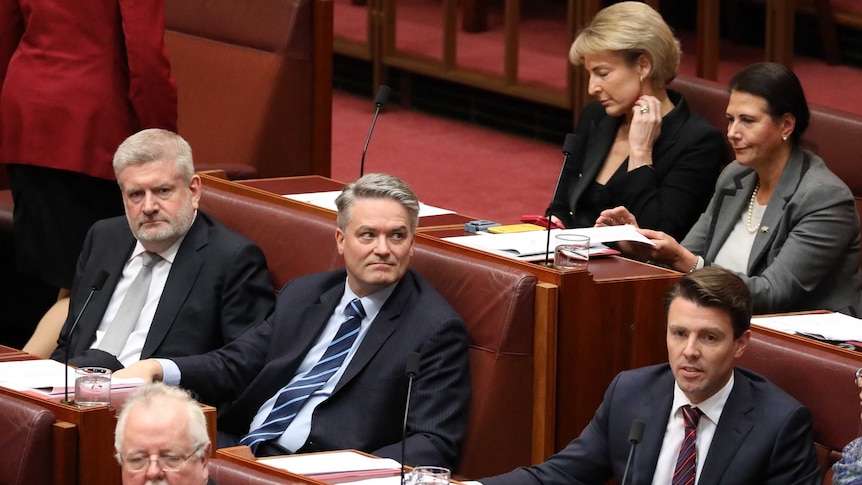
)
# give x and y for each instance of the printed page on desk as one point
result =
(526, 245)
(334, 464)
(822, 326)
(48, 378)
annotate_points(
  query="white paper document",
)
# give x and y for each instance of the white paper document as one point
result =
(523, 245)
(327, 464)
(822, 326)
(326, 200)
(48, 376)
(34, 374)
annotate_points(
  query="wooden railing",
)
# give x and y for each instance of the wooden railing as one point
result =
(382, 45)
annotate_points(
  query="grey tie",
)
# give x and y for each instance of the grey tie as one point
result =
(120, 329)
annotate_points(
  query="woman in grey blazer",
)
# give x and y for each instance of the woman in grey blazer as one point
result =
(779, 217)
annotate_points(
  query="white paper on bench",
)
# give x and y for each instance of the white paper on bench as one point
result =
(334, 462)
(824, 326)
(525, 244)
(326, 200)
(48, 375)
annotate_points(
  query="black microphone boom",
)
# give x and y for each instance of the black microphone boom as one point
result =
(96, 285)
(379, 101)
(568, 149)
(412, 369)
(636, 433)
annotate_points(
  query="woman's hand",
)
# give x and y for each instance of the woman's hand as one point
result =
(644, 131)
(618, 216)
(668, 251)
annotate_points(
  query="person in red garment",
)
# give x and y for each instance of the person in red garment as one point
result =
(76, 79)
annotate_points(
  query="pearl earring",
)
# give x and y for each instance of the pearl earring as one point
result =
(783, 137)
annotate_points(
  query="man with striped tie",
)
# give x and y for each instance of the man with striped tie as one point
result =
(700, 420)
(327, 369)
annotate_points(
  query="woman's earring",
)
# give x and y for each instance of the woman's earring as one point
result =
(783, 137)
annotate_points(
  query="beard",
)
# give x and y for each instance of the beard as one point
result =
(170, 230)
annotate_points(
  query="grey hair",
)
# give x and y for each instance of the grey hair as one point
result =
(377, 186)
(146, 395)
(153, 145)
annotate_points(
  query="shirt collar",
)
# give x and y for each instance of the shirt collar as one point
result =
(711, 407)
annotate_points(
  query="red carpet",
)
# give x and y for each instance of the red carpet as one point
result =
(469, 169)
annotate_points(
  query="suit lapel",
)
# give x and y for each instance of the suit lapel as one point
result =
(181, 279)
(733, 427)
(380, 330)
(85, 334)
(787, 184)
(657, 406)
(601, 138)
(728, 207)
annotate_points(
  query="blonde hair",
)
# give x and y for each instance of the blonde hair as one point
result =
(631, 29)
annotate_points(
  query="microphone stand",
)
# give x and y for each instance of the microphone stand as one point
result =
(380, 100)
(412, 370)
(568, 149)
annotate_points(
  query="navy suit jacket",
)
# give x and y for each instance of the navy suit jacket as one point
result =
(366, 409)
(764, 436)
(668, 197)
(218, 287)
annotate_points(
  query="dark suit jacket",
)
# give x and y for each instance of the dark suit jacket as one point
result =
(218, 287)
(764, 436)
(808, 256)
(668, 197)
(366, 409)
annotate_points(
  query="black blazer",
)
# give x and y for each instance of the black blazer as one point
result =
(366, 409)
(218, 287)
(764, 436)
(670, 196)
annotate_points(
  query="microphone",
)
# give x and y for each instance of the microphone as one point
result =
(568, 149)
(636, 433)
(412, 369)
(380, 101)
(96, 285)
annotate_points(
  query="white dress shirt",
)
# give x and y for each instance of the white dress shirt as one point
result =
(675, 432)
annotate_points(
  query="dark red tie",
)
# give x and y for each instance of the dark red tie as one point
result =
(686, 464)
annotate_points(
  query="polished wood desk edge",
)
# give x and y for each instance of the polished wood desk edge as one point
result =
(242, 455)
(806, 342)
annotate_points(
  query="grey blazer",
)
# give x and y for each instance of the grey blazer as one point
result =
(806, 253)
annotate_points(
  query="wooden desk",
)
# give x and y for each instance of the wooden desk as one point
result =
(86, 432)
(606, 319)
(241, 455)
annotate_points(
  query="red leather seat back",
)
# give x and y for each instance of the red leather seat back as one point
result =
(225, 472)
(497, 304)
(295, 243)
(26, 443)
(245, 79)
(822, 381)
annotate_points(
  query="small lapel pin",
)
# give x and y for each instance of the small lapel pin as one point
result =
(764, 229)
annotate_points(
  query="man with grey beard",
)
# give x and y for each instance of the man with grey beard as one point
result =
(176, 281)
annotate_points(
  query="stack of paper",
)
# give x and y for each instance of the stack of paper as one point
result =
(528, 245)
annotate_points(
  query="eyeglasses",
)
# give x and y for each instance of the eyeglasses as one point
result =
(858, 377)
(168, 463)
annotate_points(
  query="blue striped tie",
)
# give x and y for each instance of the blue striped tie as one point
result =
(292, 396)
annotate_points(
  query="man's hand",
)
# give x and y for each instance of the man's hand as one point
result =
(149, 370)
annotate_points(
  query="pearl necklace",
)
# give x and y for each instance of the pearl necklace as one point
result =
(752, 230)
